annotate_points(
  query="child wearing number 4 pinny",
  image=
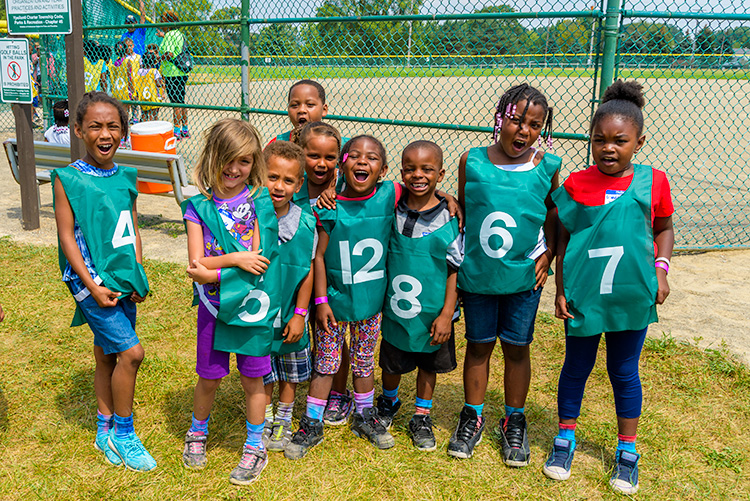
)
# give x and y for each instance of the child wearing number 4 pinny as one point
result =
(615, 214)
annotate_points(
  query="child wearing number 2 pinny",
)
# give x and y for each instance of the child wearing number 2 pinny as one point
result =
(615, 214)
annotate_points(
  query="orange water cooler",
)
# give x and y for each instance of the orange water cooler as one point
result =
(158, 137)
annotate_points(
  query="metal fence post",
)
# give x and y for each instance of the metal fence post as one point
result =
(245, 58)
(611, 24)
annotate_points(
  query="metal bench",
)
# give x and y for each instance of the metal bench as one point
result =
(162, 168)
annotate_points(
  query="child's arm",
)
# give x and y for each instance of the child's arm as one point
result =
(544, 261)
(441, 327)
(323, 312)
(561, 304)
(296, 326)
(196, 270)
(251, 261)
(462, 180)
(138, 252)
(664, 239)
(65, 229)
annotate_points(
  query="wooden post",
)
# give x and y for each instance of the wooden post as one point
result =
(26, 167)
(74, 61)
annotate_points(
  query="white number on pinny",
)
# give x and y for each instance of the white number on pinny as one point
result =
(365, 274)
(487, 230)
(415, 307)
(263, 300)
(608, 277)
(124, 232)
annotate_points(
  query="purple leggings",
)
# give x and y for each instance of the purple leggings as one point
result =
(623, 353)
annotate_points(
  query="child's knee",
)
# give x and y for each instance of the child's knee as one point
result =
(133, 356)
(479, 351)
(516, 354)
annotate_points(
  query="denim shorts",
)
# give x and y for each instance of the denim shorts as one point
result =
(509, 317)
(113, 327)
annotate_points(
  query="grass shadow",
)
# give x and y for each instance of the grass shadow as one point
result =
(3, 411)
(78, 404)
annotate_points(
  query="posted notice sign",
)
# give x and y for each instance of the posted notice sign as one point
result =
(15, 77)
(44, 17)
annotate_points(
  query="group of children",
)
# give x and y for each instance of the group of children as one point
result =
(308, 231)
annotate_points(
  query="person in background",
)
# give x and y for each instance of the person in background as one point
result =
(137, 35)
(174, 79)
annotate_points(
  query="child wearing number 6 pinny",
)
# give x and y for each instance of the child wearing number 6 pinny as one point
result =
(615, 214)
(233, 248)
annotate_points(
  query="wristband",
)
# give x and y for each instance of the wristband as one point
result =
(664, 266)
(300, 311)
(321, 300)
(218, 275)
(663, 260)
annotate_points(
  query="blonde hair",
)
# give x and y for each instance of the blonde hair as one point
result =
(227, 140)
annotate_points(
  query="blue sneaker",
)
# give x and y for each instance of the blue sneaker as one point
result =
(177, 133)
(102, 445)
(131, 452)
(185, 133)
(560, 459)
(625, 475)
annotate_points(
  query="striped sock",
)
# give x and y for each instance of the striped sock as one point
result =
(479, 408)
(363, 400)
(104, 422)
(269, 413)
(315, 407)
(626, 443)
(123, 426)
(198, 426)
(392, 395)
(254, 435)
(423, 406)
(568, 432)
(284, 411)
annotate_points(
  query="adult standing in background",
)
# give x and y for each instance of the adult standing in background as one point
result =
(137, 35)
(174, 79)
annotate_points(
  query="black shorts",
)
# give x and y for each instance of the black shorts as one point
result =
(176, 88)
(395, 361)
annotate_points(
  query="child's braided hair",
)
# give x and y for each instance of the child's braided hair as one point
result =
(507, 107)
(624, 99)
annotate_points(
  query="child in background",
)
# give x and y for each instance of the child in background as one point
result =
(224, 225)
(290, 355)
(349, 290)
(94, 67)
(121, 75)
(504, 189)
(615, 215)
(60, 132)
(321, 143)
(419, 309)
(100, 259)
(306, 104)
(149, 86)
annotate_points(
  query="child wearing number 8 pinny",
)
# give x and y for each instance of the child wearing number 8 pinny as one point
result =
(615, 214)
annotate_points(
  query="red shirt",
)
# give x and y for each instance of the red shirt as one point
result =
(591, 187)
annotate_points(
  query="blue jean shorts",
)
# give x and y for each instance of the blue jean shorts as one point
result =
(113, 327)
(509, 317)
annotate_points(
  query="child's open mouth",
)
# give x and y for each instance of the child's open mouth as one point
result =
(418, 186)
(361, 175)
(519, 145)
(104, 148)
(231, 176)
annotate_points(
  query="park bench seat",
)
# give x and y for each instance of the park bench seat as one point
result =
(163, 168)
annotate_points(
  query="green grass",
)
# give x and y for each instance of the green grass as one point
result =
(694, 434)
(205, 73)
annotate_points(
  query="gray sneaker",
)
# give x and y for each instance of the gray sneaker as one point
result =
(387, 410)
(267, 429)
(368, 425)
(309, 435)
(194, 454)
(338, 409)
(422, 435)
(514, 440)
(281, 435)
(251, 465)
(467, 435)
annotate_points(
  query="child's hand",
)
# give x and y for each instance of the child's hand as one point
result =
(441, 329)
(200, 274)
(663, 291)
(561, 307)
(454, 209)
(327, 199)
(294, 329)
(324, 315)
(541, 268)
(136, 298)
(104, 297)
(251, 261)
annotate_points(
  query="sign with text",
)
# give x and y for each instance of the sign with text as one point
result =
(15, 74)
(44, 17)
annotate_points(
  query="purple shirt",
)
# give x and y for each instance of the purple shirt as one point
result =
(238, 214)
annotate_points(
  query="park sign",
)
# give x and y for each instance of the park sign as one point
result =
(15, 74)
(40, 17)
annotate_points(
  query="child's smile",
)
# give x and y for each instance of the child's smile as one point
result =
(101, 131)
(363, 168)
(234, 176)
(421, 171)
(321, 155)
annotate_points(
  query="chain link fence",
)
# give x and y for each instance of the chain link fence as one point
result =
(432, 69)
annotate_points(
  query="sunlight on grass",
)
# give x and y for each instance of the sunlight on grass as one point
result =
(694, 433)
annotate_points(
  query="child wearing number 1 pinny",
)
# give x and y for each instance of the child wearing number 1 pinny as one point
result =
(615, 214)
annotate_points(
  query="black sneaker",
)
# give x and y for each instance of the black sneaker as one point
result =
(310, 434)
(467, 435)
(387, 410)
(514, 440)
(368, 425)
(422, 436)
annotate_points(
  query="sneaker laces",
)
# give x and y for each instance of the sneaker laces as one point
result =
(514, 430)
(300, 435)
(559, 456)
(469, 429)
(335, 403)
(197, 447)
(422, 426)
(278, 432)
(249, 457)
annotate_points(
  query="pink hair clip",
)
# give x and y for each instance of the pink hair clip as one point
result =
(343, 159)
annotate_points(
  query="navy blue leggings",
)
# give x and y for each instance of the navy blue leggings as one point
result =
(623, 353)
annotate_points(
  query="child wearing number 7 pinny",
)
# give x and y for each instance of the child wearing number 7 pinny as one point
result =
(615, 214)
